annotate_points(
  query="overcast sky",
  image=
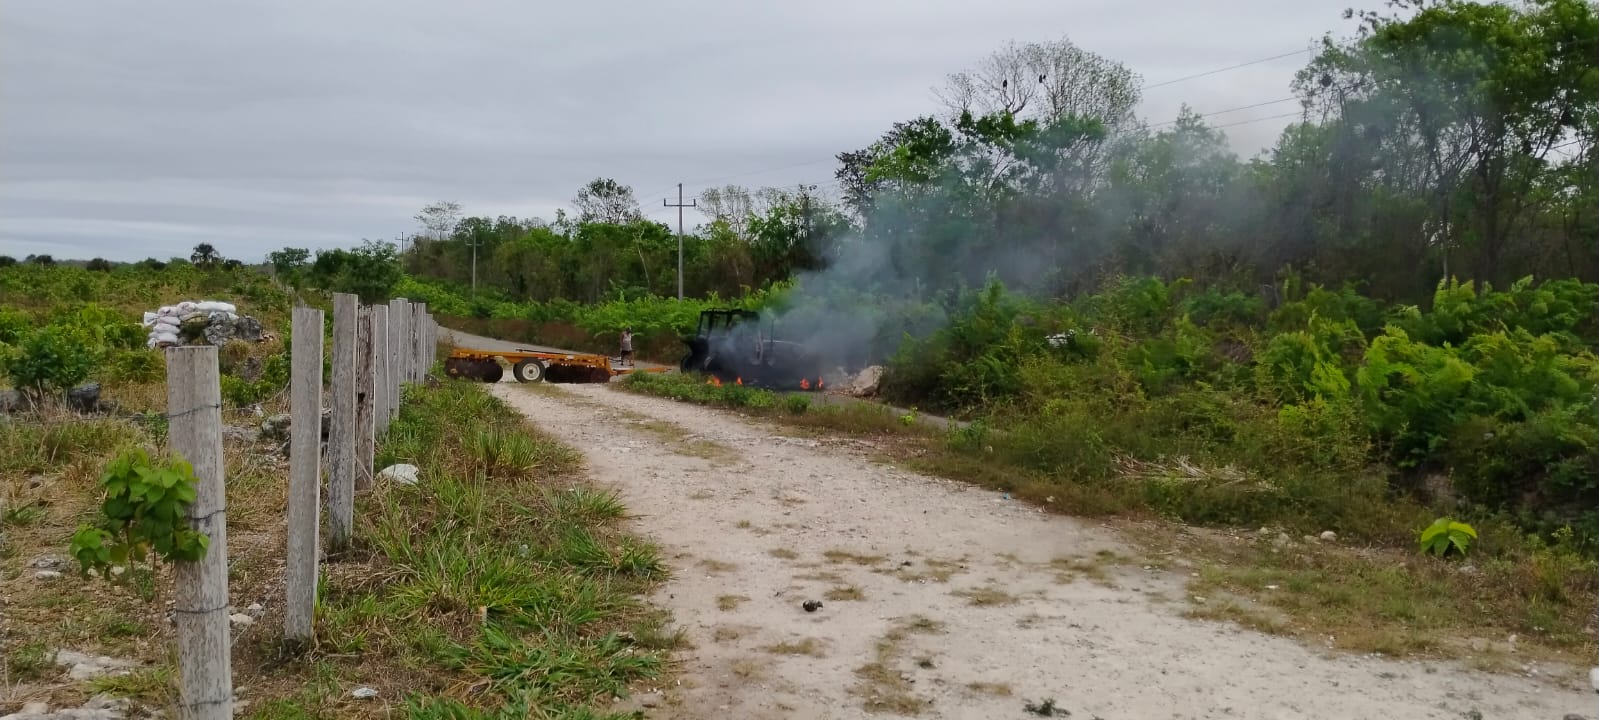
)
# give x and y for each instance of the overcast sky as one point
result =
(134, 129)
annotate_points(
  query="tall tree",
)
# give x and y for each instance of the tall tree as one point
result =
(604, 200)
(1045, 81)
(205, 256)
(732, 204)
(289, 264)
(1462, 105)
(370, 270)
(438, 219)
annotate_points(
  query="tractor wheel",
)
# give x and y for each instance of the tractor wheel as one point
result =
(491, 371)
(528, 371)
(599, 375)
(556, 374)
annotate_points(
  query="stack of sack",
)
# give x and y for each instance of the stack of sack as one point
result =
(215, 321)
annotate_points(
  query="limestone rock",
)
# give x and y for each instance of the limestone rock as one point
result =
(403, 474)
(87, 667)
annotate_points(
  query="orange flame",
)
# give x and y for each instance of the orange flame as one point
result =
(818, 383)
(714, 381)
(805, 384)
(740, 381)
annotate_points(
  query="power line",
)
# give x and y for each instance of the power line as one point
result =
(1256, 120)
(1229, 68)
(1230, 110)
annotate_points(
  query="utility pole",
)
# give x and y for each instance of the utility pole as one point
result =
(474, 264)
(805, 213)
(665, 202)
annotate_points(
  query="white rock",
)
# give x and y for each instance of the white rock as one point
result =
(1329, 536)
(241, 619)
(254, 609)
(36, 708)
(87, 667)
(403, 474)
(866, 381)
(107, 702)
(364, 693)
(47, 575)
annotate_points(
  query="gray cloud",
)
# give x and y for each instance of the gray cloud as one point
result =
(137, 129)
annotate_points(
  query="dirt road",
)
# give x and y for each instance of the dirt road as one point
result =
(941, 599)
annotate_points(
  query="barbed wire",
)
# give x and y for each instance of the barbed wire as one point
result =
(66, 416)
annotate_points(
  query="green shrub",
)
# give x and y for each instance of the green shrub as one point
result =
(1215, 308)
(796, 404)
(143, 516)
(48, 361)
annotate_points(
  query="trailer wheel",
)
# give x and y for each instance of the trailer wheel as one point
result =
(492, 372)
(528, 371)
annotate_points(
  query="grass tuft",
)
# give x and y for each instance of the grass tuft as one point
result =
(808, 646)
(847, 593)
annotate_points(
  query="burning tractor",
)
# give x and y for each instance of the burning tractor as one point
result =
(737, 346)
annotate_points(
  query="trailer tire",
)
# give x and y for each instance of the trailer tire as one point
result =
(528, 371)
(492, 372)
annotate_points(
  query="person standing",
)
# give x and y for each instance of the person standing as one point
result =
(627, 347)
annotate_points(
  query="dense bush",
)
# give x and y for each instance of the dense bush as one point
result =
(1216, 410)
(47, 361)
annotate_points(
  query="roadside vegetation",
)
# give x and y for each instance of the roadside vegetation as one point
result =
(498, 586)
(1330, 413)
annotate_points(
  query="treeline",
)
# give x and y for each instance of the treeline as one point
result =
(609, 251)
(1449, 139)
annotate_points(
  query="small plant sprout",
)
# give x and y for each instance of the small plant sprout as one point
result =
(1446, 535)
(143, 514)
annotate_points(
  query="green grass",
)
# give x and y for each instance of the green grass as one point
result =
(793, 409)
(499, 572)
(28, 661)
(155, 686)
(1406, 604)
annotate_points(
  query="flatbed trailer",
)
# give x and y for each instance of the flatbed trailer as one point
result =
(534, 366)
